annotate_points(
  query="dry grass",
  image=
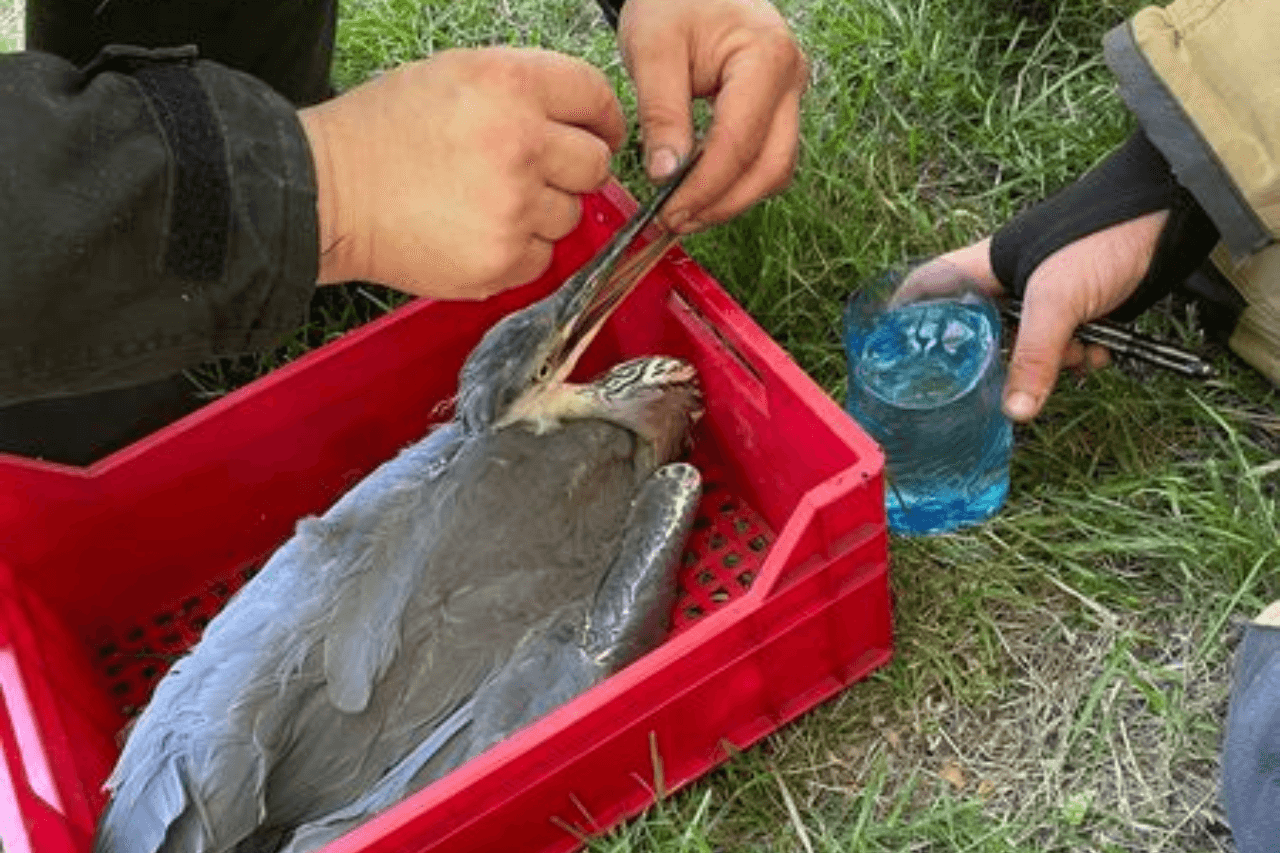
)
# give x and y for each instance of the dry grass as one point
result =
(1079, 735)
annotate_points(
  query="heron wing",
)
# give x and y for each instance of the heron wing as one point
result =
(384, 532)
(192, 775)
(390, 789)
(586, 641)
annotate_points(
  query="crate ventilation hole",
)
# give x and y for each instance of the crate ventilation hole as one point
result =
(723, 556)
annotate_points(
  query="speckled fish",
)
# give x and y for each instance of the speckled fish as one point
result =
(513, 558)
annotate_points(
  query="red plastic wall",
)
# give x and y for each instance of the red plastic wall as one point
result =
(88, 553)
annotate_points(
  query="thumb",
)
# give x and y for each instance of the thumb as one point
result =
(954, 272)
(1044, 331)
(664, 96)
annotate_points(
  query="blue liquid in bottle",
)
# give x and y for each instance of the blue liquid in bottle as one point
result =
(925, 381)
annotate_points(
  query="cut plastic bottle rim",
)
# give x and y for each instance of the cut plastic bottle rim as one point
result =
(884, 335)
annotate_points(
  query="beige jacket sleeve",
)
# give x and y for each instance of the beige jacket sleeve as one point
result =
(1203, 79)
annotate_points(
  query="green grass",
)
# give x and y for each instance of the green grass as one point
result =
(1061, 672)
(11, 24)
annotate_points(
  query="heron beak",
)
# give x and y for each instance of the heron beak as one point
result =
(584, 302)
(590, 295)
(580, 307)
(597, 299)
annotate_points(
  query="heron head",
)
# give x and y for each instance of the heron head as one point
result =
(514, 355)
(535, 349)
(523, 350)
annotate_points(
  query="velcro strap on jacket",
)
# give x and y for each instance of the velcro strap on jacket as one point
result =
(200, 205)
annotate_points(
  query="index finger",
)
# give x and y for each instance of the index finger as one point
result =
(750, 92)
(575, 92)
(938, 277)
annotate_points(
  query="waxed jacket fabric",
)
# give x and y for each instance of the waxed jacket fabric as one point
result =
(287, 44)
(159, 210)
(1203, 79)
(158, 204)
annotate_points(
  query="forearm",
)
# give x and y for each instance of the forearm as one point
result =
(159, 211)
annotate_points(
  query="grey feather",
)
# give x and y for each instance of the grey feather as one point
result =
(266, 741)
(388, 790)
(353, 667)
(363, 633)
(629, 615)
(148, 816)
(573, 649)
(218, 700)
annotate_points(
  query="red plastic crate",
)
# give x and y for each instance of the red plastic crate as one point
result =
(108, 572)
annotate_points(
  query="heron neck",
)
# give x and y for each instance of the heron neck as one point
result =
(543, 407)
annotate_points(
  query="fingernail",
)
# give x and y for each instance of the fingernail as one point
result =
(1020, 406)
(662, 162)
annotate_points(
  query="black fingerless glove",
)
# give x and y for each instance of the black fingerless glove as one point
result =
(1134, 180)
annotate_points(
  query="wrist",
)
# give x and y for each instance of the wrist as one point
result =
(1134, 181)
(332, 266)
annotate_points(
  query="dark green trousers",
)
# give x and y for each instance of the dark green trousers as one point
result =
(287, 44)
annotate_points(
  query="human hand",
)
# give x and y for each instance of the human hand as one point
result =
(739, 53)
(1082, 281)
(452, 177)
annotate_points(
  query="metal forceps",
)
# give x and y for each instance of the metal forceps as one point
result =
(1121, 340)
(635, 267)
(603, 282)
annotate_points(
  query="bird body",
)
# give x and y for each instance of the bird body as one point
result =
(486, 574)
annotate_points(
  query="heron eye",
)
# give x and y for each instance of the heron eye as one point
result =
(544, 370)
